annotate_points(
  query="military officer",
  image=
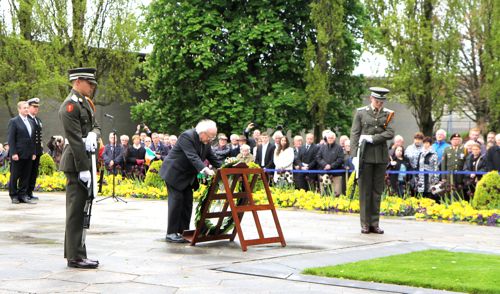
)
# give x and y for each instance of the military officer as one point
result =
(373, 124)
(81, 131)
(34, 103)
(454, 159)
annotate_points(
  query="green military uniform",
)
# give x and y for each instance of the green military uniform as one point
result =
(77, 117)
(378, 124)
(454, 160)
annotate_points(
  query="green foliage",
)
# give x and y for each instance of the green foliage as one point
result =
(44, 42)
(491, 87)
(421, 42)
(153, 175)
(231, 61)
(437, 269)
(332, 91)
(487, 194)
(47, 165)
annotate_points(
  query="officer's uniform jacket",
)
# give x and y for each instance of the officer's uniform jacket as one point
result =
(78, 120)
(368, 122)
(37, 128)
(453, 159)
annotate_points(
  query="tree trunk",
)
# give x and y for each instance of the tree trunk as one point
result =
(25, 19)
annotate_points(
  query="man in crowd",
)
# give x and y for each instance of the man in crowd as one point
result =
(77, 114)
(143, 130)
(490, 140)
(34, 103)
(22, 154)
(297, 154)
(112, 152)
(453, 160)
(308, 162)
(235, 147)
(475, 135)
(157, 146)
(493, 156)
(179, 171)
(252, 141)
(373, 124)
(265, 152)
(331, 157)
(440, 144)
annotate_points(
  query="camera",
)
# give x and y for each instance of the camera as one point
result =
(279, 128)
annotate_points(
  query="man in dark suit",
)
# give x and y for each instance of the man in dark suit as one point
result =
(265, 152)
(113, 153)
(22, 153)
(158, 148)
(179, 171)
(308, 161)
(34, 103)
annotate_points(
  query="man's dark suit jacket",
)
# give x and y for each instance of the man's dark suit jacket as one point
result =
(20, 141)
(107, 155)
(268, 157)
(185, 161)
(309, 156)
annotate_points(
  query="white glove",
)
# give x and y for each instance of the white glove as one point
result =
(85, 177)
(208, 172)
(367, 138)
(91, 142)
(355, 162)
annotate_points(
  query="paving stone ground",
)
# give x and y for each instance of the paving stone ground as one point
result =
(128, 240)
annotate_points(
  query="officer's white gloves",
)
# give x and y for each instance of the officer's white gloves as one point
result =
(91, 142)
(367, 138)
(355, 162)
(208, 172)
(85, 177)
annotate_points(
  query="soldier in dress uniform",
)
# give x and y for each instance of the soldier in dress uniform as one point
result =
(373, 124)
(34, 103)
(81, 131)
(453, 160)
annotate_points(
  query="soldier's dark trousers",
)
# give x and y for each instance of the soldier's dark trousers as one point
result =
(33, 176)
(19, 177)
(180, 208)
(371, 187)
(76, 196)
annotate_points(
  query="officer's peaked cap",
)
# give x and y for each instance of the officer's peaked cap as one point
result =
(34, 101)
(84, 73)
(379, 93)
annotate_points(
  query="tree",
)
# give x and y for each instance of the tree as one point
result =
(420, 41)
(491, 86)
(332, 91)
(477, 58)
(233, 61)
(98, 33)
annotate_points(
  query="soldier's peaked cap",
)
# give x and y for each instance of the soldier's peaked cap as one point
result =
(84, 73)
(379, 93)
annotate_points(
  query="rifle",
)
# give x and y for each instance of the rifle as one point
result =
(357, 169)
(92, 192)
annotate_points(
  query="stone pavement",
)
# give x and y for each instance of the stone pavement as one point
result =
(128, 240)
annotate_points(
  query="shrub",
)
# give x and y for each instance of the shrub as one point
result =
(487, 195)
(153, 178)
(352, 177)
(47, 165)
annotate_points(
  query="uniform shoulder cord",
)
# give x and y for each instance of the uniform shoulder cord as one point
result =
(388, 120)
(91, 103)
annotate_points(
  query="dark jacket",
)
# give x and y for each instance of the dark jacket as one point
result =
(268, 157)
(331, 154)
(108, 155)
(221, 153)
(20, 141)
(37, 128)
(309, 156)
(493, 159)
(185, 161)
(132, 155)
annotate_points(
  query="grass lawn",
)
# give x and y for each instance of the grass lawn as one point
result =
(438, 269)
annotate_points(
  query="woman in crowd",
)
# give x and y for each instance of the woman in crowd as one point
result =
(475, 162)
(427, 162)
(134, 161)
(398, 163)
(245, 155)
(56, 146)
(412, 154)
(283, 161)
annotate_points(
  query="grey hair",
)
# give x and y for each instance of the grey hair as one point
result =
(205, 125)
(124, 137)
(278, 134)
(245, 147)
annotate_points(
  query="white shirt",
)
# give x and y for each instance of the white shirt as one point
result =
(26, 123)
(263, 159)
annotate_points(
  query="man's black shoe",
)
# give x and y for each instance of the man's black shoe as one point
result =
(15, 200)
(365, 230)
(175, 238)
(33, 198)
(26, 199)
(83, 263)
(376, 230)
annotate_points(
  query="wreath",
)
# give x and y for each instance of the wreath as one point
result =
(228, 224)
